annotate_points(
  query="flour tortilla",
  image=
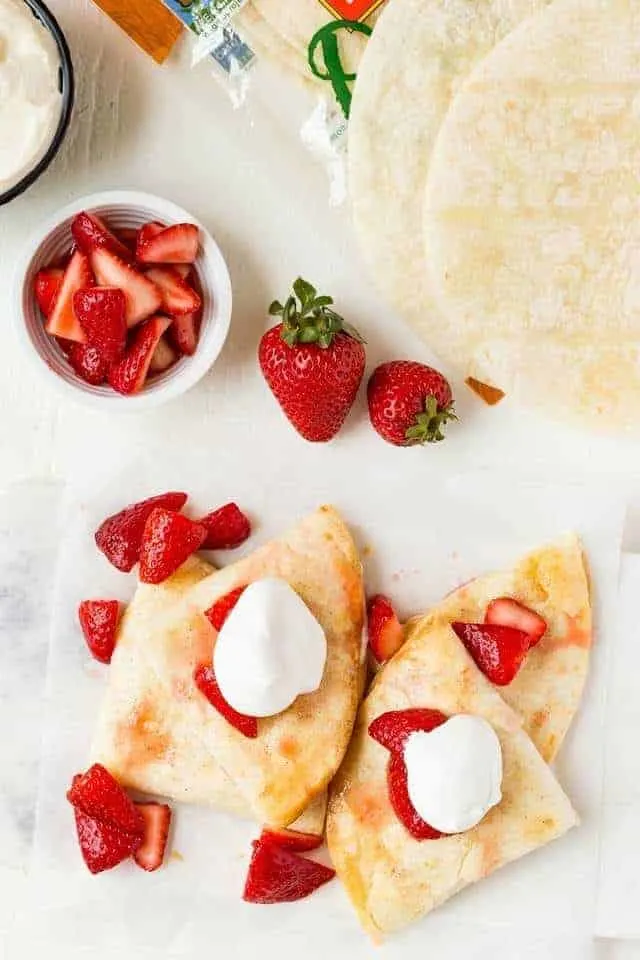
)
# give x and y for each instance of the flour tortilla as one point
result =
(420, 52)
(553, 581)
(391, 878)
(194, 776)
(531, 217)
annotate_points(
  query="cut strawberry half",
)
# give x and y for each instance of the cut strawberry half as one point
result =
(227, 528)
(168, 540)
(178, 297)
(497, 650)
(294, 840)
(176, 244)
(90, 232)
(393, 729)
(276, 875)
(385, 632)
(62, 322)
(142, 296)
(120, 535)
(99, 795)
(87, 362)
(130, 374)
(148, 231)
(184, 333)
(103, 846)
(401, 802)
(100, 311)
(507, 612)
(205, 680)
(99, 623)
(157, 821)
(164, 356)
(220, 610)
(46, 288)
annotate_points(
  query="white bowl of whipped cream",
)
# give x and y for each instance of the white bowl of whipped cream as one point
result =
(36, 93)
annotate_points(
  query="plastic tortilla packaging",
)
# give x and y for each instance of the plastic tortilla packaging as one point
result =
(315, 45)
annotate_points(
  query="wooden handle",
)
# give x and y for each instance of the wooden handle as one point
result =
(148, 22)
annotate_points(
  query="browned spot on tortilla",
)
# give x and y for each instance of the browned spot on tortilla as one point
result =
(289, 747)
(539, 718)
(369, 805)
(490, 855)
(490, 395)
(575, 634)
(142, 736)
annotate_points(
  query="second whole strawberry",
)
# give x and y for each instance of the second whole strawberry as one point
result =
(409, 403)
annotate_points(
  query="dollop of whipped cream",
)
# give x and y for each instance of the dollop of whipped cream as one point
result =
(30, 101)
(454, 773)
(271, 649)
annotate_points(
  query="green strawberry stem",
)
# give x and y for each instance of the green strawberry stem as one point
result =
(308, 318)
(428, 427)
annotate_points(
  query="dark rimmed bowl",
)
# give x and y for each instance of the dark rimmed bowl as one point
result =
(67, 89)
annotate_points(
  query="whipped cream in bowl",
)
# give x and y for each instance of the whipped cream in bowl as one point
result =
(36, 93)
(270, 651)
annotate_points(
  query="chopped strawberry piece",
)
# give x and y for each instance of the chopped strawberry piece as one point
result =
(205, 680)
(176, 244)
(90, 232)
(294, 840)
(99, 622)
(164, 356)
(119, 536)
(148, 231)
(142, 296)
(277, 875)
(392, 729)
(184, 332)
(46, 288)
(99, 795)
(100, 311)
(128, 237)
(507, 612)
(498, 651)
(220, 610)
(178, 297)
(401, 802)
(168, 540)
(386, 635)
(227, 528)
(88, 363)
(130, 374)
(102, 845)
(62, 322)
(157, 820)
(184, 270)
(66, 345)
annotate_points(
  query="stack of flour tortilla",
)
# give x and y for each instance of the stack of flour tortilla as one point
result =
(493, 153)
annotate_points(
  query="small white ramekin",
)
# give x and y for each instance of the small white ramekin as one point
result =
(122, 210)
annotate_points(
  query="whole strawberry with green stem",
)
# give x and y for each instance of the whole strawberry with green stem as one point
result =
(409, 403)
(313, 362)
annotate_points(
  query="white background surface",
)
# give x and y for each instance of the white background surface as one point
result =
(173, 131)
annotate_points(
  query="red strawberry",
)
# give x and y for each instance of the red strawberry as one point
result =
(142, 296)
(163, 357)
(205, 680)
(178, 297)
(102, 845)
(409, 403)
(176, 244)
(157, 820)
(88, 363)
(66, 345)
(184, 332)
(293, 840)
(507, 612)
(130, 374)
(90, 232)
(401, 802)
(168, 540)
(128, 237)
(119, 536)
(218, 613)
(313, 362)
(277, 875)
(100, 311)
(393, 729)
(386, 635)
(99, 622)
(62, 322)
(498, 651)
(46, 288)
(148, 231)
(184, 271)
(227, 528)
(99, 795)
